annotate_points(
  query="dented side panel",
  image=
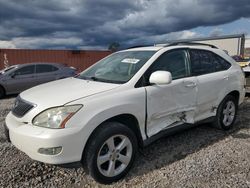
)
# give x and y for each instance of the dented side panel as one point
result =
(211, 90)
(171, 104)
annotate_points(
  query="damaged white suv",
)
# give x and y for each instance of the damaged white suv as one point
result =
(126, 101)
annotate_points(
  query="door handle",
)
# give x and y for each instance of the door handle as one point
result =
(191, 85)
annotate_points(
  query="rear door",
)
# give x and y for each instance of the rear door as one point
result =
(172, 104)
(212, 77)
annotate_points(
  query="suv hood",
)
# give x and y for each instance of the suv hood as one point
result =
(63, 91)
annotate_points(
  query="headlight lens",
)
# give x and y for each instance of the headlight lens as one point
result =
(55, 118)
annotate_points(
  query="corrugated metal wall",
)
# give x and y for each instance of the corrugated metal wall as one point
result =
(80, 59)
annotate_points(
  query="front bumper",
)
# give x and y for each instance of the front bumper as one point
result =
(30, 139)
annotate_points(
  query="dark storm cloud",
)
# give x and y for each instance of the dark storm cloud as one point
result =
(90, 23)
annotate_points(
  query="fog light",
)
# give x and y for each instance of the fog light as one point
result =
(50, 151)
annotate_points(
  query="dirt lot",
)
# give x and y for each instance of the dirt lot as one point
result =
(200, 157)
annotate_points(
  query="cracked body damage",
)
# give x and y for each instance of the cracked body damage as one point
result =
(170, 105)
(171, 120)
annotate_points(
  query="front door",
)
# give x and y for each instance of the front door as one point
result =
(173, 104)
(21, 79)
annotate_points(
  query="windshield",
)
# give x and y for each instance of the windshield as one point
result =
(117, 68)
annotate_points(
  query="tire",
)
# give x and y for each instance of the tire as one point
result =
(2, 93)
(105, 161)
(226, 113)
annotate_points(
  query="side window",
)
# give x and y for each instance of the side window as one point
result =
(201, 62)
(204, 62)
(45, 68)
(220, 64)
(30, 69)
(174, 62)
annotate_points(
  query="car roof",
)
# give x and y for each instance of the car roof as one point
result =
(146, 48)
(199, 46)
(163, 46)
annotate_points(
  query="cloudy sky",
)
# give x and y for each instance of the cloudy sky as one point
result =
(94, 24)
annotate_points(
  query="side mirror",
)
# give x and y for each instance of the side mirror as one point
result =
(160, 78)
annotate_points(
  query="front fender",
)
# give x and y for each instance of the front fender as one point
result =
(99, 108)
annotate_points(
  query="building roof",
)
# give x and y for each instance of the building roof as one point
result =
(208, 38)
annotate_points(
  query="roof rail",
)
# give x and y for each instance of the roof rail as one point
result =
(138, 46)
(190, 43)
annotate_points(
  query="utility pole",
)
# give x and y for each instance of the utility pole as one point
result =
(5, 60)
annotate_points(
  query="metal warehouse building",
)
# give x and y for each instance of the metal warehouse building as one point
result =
(80, 59)
(233, 44)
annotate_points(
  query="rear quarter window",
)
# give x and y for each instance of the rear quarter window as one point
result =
(220, 63)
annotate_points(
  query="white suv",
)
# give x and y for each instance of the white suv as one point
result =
(126, 101)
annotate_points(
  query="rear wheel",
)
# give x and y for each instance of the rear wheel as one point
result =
(226, 113)
(110, 152)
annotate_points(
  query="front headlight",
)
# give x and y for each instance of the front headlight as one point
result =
(55, 118)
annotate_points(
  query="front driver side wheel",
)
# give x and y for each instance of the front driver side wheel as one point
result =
(110, 152)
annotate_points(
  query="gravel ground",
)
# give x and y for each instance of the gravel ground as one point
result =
(199, 157)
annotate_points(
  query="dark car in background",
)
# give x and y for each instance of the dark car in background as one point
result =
(242, 61)
(18, 78)
(245, 65)
(246, 70)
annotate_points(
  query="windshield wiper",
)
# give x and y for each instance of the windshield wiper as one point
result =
(93, 78)
(89, 78)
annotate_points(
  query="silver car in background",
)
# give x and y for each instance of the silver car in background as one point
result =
(18, 78)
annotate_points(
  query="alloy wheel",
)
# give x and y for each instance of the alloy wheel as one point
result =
(114, 155)
(229, 113)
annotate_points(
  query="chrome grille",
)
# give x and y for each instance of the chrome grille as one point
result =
(21, 107)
